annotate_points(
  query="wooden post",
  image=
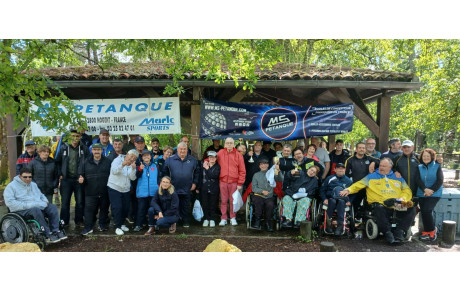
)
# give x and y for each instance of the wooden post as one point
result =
(449, 228)
(305, 229)
(383, 120)
(457, 174)
(326, 246)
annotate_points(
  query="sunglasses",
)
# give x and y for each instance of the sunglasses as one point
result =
(26, 177)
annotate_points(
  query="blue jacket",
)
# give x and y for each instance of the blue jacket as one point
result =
(105, 152)
(326, 190)
(429, 176)
(147, 180)
(183, 173)
(21, 196)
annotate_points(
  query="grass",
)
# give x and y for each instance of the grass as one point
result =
(182, 236)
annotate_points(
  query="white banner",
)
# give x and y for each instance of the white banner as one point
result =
(124, 116)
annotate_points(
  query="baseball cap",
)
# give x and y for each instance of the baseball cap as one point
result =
(97, 145)
(212, 153)
(30, 142)
(139, 139)
(146, 152)
(263, 160)
(340, 165)
(407, 143)
(103, 130)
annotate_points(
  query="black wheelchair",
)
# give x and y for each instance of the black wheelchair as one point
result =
(15, 228)
(250, 212)
(370, 221)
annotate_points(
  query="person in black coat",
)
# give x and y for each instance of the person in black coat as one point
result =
(45, 172)
(93, 175)
(164, 210)
(209, 188)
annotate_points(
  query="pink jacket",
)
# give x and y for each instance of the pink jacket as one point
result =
(232, 169)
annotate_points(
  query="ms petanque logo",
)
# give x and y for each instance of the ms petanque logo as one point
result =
(278, 123)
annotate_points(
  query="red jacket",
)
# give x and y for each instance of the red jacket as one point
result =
(232, 169)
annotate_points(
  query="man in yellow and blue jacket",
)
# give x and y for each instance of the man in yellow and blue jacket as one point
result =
(383, 187)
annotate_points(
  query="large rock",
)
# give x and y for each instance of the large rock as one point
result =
(220, 245)
(19, 247)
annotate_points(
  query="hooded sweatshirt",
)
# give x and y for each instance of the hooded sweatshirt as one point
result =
(21, 196)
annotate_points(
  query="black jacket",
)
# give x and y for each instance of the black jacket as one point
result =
(209, 179)
(286, 164)
(95, 176)
(356, 168)
(45, 174)
(335, 159)
(407, 166)
(167, 203)
(292, 184)
(62, 158)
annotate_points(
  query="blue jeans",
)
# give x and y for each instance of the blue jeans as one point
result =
(142, 207)
(69, 186)
(50, 211)
(166, 221)
(338, 204)
(119, 204)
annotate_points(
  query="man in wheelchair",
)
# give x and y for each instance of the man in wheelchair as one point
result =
(23, 197)
(330, 195)
(387, 193)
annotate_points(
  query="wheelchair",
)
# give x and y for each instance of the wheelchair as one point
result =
(15, 228)
(250, 212)
(370, 222)
(348, 221)
(312, 213)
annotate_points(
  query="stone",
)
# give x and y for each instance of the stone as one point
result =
(19, 247)
(220, 245)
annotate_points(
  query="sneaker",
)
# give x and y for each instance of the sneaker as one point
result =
(118, 231)
(124, 228)
(150, 231)
(206, 223)
(212, 223)
(328, 230)
(358, 220)
(61, 235)
(186, 225)
(433, 234)
(287, 224)
(86, 232)
(223, 222)
(233, 221)
(53, 238)
(102, 228)
(424, 236)
(172, 229)
(138, 228)
(399, 235)
(339, 230)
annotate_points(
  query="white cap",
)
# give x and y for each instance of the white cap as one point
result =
(407, 143)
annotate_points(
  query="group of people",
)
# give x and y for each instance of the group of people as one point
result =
(154, 188)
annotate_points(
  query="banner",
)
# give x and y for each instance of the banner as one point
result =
(220, 119)
(124, 116)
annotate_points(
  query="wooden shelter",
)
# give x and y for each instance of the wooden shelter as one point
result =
(284, 85)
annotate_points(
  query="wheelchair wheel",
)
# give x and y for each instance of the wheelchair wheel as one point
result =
(352, 219)
(37, 233)
(371, 229)
(13, 229)
(408, 233)
(314, 213)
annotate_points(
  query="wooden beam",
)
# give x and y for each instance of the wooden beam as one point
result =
(354, 96)
(331, 141)
(383, 120)
(197, 93)
(151, 92)
(238, 96)
(343, 96)
(185, 124)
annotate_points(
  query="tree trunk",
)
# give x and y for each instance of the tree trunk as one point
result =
(4, 152)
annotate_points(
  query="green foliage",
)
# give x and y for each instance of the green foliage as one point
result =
(181, 236)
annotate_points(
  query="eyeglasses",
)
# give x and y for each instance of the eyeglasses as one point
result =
(26, 177)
